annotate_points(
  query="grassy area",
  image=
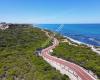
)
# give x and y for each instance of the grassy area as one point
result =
(17, 59)
(80, 55)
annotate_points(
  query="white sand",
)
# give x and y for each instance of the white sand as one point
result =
(91, 46)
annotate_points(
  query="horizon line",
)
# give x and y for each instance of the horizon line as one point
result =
(44, 23)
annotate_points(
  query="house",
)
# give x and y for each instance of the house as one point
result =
(3, 26)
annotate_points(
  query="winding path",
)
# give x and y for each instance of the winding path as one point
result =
(77, 71)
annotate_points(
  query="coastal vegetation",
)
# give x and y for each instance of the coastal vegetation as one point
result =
(79, 54)
(17, 55)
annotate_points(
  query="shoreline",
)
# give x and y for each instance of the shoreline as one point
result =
(93, 48)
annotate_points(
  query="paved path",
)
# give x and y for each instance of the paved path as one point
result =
(82, 73)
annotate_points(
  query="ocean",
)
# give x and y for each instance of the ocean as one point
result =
(86, 33)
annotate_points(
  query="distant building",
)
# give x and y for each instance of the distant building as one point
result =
(3, 26)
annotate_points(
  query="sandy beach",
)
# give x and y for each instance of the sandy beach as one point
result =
(93, 48)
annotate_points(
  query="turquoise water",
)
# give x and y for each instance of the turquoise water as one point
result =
(87, 33)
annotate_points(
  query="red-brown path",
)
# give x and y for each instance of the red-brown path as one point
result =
(82, 73)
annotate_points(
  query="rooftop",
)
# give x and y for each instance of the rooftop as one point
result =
(3, 26)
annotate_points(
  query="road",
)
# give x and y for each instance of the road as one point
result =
(82, 73)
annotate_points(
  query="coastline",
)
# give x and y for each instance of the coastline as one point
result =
(93, 48)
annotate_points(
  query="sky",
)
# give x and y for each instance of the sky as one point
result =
(50, 11)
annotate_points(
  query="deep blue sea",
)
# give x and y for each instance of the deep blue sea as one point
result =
(87, 33)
